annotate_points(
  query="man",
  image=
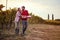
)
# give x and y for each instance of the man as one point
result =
(24, 15)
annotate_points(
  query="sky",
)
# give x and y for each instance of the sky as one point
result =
(38, 7)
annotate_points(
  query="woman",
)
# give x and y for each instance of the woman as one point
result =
(17, 19)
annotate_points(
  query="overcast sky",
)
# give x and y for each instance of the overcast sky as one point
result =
(38, 7)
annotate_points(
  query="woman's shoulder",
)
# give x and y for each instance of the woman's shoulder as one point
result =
(18, 12)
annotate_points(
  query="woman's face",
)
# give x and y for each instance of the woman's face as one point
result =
(19, 9)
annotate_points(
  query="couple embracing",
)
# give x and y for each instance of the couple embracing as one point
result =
(21, 15)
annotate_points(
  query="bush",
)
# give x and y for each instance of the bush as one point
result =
(35, 19)
(57, 19)
(53, 22)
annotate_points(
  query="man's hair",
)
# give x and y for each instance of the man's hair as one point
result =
(23, 6)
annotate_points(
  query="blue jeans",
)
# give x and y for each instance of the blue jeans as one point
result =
(24, 23)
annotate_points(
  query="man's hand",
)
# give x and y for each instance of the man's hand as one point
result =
(23, 16)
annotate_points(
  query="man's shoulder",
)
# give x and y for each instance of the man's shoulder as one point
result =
(26, 10)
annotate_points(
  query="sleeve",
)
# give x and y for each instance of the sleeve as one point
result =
(27, 13)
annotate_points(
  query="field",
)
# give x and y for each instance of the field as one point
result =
(34, 32)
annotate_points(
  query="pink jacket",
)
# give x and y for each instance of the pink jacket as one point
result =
(17, 18)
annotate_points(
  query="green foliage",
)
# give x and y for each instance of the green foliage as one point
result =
(1, 6)
(57, 19)
(35, 19)
(2, 17)
(48, 16)
(7, 17)
(52, 16)
(10, 15)
(53, 22)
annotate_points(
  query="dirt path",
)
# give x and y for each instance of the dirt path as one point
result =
(35, 32)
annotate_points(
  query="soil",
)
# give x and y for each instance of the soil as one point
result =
(33, 32)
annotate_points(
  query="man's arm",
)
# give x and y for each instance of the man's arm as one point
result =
(27, 13)
(28, 16)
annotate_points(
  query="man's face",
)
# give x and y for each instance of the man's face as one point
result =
(23, 8)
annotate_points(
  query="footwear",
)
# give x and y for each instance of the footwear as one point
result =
(22, 34)
(17, 31)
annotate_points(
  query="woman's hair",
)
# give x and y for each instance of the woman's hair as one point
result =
(19, 10)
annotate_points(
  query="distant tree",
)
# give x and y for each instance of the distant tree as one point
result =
(1, 6)
(48, 16)
(52, 16)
